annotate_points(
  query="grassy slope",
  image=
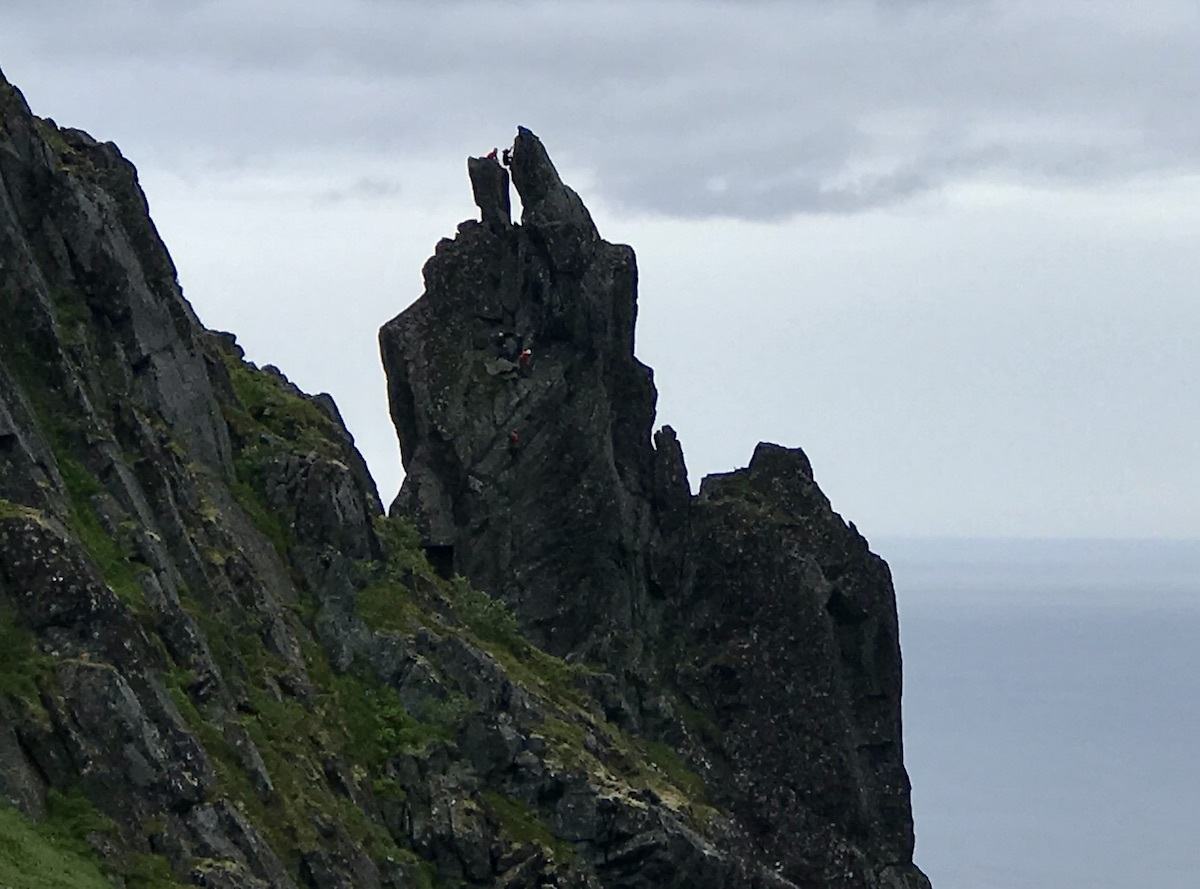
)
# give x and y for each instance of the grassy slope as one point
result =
(32, 856)
(352, 716)
(402, 593)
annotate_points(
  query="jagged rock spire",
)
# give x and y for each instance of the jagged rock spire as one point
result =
(753, 604)
(489, 182)
(553, 212)
(488, 443)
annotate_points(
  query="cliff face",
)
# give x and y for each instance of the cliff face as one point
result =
(749, 627)
(221, 665)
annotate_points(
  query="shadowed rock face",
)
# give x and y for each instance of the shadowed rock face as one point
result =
(792, 646)
(749, 626)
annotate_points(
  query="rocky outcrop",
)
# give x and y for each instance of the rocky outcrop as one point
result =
(789, 642)
(488, 439)
(749, 626)
(221, 665)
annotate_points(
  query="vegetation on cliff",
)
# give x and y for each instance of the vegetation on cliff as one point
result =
(222, 665)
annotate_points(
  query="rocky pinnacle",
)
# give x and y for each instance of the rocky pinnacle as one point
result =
(747, 624)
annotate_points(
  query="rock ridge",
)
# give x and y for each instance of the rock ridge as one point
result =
(221, 665)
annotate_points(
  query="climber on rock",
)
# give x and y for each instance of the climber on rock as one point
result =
(506, 157)
(514, 440)
(525, 360)
(491, 155)
(506, 345)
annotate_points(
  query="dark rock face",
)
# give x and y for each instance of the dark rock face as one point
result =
(792, 647)
(752, 628)
(222, 666)
(487, 441)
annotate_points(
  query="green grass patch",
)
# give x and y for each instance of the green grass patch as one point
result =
(387, 601)
(352, 717)
(231, 777)
(675, 769)
(543, 674)
(635, 761)
(388, 607)
(403, 554)
(700, 723)
(71, 819)
(567, 740)
(493, 626)
(235, 640)
(268, 420)
(488, 618)
(22, 666)
(266, 521)
(32, 856)
(72, 316)
(268, 404)
(55, 853)
(280, 731)
(53, 138)
(521, 824)
(119, 571)
(378, 727)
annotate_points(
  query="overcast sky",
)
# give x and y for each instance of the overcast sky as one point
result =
(949, 248)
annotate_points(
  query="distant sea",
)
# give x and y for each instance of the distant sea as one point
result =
(1052, 711)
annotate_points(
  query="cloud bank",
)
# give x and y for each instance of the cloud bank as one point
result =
(751, 110)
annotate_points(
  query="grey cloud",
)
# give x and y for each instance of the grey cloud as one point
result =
(366, 188)
(740, 109)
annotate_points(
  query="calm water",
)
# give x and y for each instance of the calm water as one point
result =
(1052, 711)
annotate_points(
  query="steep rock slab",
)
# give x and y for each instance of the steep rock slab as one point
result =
(79, 256)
